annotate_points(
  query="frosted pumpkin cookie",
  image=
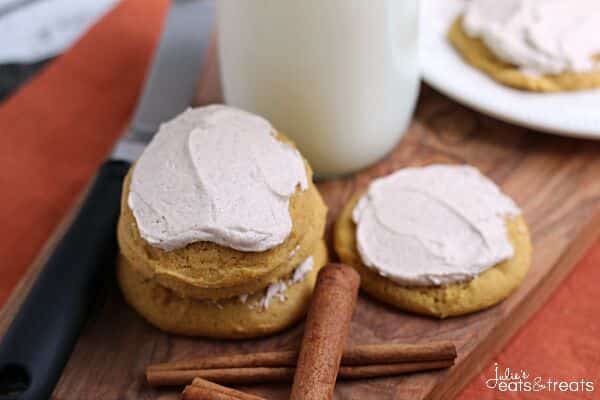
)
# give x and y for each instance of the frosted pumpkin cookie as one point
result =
(219, 204)
(535, 45)
(220, 231)
(440, 240)
(264, 312)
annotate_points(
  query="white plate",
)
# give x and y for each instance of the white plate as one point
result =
(570, 113)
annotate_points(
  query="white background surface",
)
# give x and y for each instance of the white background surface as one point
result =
(568, 113)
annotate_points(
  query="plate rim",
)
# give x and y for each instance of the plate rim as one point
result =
(434, 82)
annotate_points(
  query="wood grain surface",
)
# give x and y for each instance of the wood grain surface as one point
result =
(555, 180)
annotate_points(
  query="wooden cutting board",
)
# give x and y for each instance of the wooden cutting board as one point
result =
(555, 180)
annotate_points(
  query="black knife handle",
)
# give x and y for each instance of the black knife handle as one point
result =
(37, 344)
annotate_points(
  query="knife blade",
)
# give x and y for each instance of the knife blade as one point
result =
(38, 342)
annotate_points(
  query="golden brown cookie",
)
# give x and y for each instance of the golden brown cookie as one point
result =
(205, 270)
(476, 53)
(227, 318)
(485, 290)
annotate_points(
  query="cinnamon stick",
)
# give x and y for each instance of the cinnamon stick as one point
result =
(254, 375)
(365, 354)
(285, 358)
(325, 333)
(392, 353)
(226, 376)
(271, 366)
(376, 371)
(201, 389)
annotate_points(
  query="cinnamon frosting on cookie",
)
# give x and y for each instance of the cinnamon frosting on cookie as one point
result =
(538, 36)
(276, 290)
(434, 225)
(216, 174)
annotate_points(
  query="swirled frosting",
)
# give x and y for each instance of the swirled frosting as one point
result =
(538, 36)
(434, 225)
(216, 174)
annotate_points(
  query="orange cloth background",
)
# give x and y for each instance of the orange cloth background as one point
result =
(57, 129)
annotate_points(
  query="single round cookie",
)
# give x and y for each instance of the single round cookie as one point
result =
(488, 288)
(476, 53)
(227, 318)
(205, 270)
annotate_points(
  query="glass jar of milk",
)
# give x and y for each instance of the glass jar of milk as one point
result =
(339, 77)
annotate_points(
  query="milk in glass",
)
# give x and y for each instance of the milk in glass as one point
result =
(339, 77)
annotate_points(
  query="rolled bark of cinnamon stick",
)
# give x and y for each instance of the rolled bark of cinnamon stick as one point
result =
(201, 389)
(394, 353)
(286, 358)
(276, 366)
(325, 333)
(376, 371)
(366, 354)
(225, 376)
(254, 375)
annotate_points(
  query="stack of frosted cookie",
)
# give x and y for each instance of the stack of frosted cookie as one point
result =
(221, 227)
(440, 240)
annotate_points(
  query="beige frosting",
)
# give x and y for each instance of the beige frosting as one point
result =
(433, 225)
(539, 36)
(216, 174)
(276, 290)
